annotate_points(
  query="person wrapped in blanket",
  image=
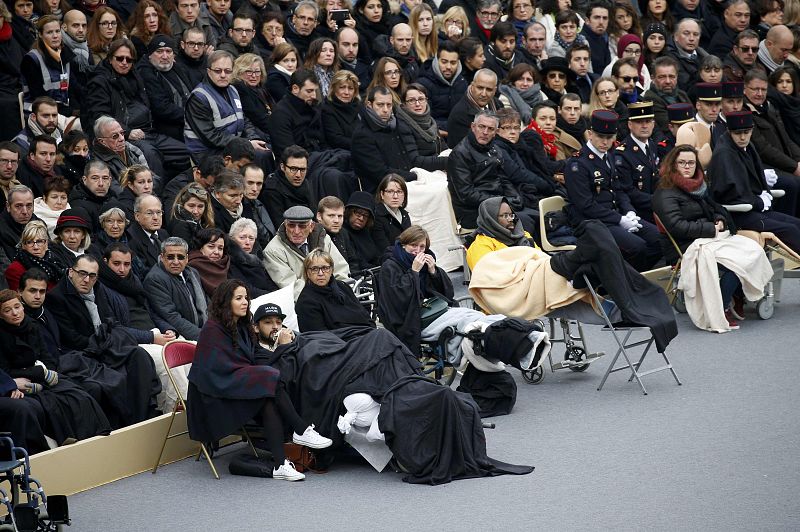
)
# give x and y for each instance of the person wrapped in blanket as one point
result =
(498, 228)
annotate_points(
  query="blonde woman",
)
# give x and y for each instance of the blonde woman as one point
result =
(249, 78)
(454, 25)
(340, 110)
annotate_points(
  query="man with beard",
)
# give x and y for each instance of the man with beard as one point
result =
(219, 16)
(39, 165)
(43, 120)
(400, 47)
(287, 186)
(294, 118)
(596, 32)
(501, 54)
(479, 97)
(73, 37)
(446, 86)
(168, 85)
(736, 176)
(664, 90)
(347, 40)
(297, 235)
(268, 319)
(534, 38)
(742, 57)
(377, 147)
(192, 54)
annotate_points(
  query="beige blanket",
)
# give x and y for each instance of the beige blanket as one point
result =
(518, 281)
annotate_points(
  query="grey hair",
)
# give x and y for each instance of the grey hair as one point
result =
(486, 114)
(241, 224)
(101, 123)
(228, 184)
(174, 241)
(685, 20)
(17, 189)
(486, 72)
(216, 55)
(92, 164)
(483, 4)
(307, 3)
(113, 211)
(137, 203)
(531, 25)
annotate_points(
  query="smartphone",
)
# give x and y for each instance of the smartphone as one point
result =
(340, 15)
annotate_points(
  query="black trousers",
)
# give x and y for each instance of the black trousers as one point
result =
(641, 249)
(785, 227)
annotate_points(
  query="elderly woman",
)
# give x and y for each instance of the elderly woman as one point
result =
(249, 77)
(228, 388)
(327, 303)
(226, 200)
(498, 228)
(419, 131)
(73, 235)
(210, 258)
(359, 218)
(191, 212)
(71, 412)
(322, 58)
(245, 258)
(54, 201)
(33, 252)
(340, 110)
(135, 181)
(391, 216)
(521, 91)
(685, 208)
(408, 277)
(114, 225)
(389, 74)
(105, 27)
(283, 62)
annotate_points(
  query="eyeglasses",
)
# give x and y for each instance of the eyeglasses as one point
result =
(39, 242)
(175, 256)
(115, 136)
(633, 52)
(511, 128)
(607, 92)
(245, 31)
(628, 79)
(391, 73)
(507, 216)
(295, 169)
(9, 162)
(488, 14)
(686, 164)
(556, 75)
(251, 72)
(151, 214)
(319, 269)
(360, 213)
(194, 44)
(123, 59)
(748, 49)
(108, 23)
(220, 71)
(85, 275)
(414, 101)
(392, 192)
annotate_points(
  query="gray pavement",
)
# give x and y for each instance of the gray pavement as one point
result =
(720, 452)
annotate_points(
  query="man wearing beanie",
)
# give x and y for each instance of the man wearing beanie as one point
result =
(168, 85)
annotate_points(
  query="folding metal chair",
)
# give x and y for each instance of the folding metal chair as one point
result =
(624, 347)
(553, 203)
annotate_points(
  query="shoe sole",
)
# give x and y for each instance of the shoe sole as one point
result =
(286, 477)
(311, 445)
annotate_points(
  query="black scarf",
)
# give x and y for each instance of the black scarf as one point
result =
(489, 226)
(129, 286)
(51, 264)
(405, 259)
(577, 130)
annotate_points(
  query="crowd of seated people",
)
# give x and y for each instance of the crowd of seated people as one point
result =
(166, 150)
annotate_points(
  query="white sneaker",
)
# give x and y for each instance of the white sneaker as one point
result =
(287, 472)
(311, 438)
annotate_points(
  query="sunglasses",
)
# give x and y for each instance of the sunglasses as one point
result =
(628, 79)
(556, 75)
(123, 59)
(175, 256)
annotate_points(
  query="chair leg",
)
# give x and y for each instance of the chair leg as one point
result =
(208, 459)
(249, 441)
(164, 443)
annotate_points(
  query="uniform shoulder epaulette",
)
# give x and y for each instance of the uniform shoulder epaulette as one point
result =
(662, 143)
(621, 147)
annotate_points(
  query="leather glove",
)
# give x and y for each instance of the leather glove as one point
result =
(766, 198)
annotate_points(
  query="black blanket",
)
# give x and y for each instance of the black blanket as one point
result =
(640, 301)
(432, 451)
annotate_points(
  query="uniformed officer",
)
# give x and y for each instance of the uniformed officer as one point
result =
(637, 159)
(709, 97)
(732, 102)
(595, 193)
(679, 114)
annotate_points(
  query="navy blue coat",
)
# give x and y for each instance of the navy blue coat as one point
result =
(594, 190)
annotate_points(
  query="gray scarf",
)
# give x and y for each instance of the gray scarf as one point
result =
(763, 55)
(37, 130)
(489, 226)
(80, 49)
(373, 117)
(435, 67)
(423, 125)
(523, 101)
(324, 76)
(91, 306)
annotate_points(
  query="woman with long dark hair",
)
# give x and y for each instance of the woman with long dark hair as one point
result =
(147, 21)
(227, 388)
(105, 27)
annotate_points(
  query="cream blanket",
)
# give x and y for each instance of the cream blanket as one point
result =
(519, 282)
(699, 279)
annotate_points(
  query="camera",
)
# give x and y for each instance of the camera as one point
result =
(340, 15)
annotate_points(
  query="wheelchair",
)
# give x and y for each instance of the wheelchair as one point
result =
(38, 512)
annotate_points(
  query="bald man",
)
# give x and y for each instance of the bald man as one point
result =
(347, 39)
(775, 49)
(735, 19)
(400, 47)
(73, 34)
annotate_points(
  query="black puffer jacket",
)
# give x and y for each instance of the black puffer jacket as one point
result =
(123, 98)
(475, 173)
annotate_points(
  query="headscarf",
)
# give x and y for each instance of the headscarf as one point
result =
(623, 43)
(489, 226)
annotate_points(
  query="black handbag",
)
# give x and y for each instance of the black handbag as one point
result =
(432, 308)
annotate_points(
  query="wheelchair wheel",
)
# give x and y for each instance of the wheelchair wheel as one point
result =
(679, 304)
(439, 371)
(533, 376)
(576, 354)
(765, 308)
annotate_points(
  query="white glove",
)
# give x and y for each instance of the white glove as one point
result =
(632, 216)
(766, 198)
(629, 225)
(771, 177)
